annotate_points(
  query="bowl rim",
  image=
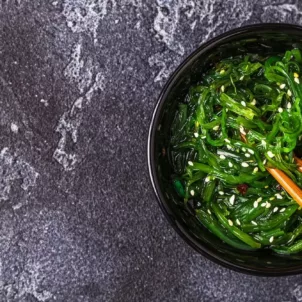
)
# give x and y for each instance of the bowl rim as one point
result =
(202, 248)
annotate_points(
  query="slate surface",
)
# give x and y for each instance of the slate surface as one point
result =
(78, 219)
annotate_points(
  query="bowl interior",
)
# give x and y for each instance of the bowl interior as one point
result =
(264, 39)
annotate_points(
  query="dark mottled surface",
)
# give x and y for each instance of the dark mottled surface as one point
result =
(78, 219)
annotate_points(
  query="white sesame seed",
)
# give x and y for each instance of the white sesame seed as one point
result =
(243, 149)
(272, 198)
(221, 193)
(271, 239)
(289, 93)
(270, 154)
(282, 210)
(209, 211)
(245, 165)
(190, 163)
(263, 204)
(289, 105)
(216, 128)
(282, 86)
(243, 103)
(266, 187)
(207, 179)
(238, 222)
(192, 192)
(279, 196)
(297, 80)
(280, 109)
(196, 134)
(222, 71)
(263, 142)
(259, 199)
(264, 162)
(254, 222)
(222, 156)
(251, 151)
(232, 200)
(222, 88)
(255, 204)
(254, 102)
(255, 170)
(247, 155)
(241, 129)
(227, 140)
(229, 147)
(230, 222)
(296, 75)
(268, 205)
(275, 209)
(241, 78)
(230, 165)
(203, 137)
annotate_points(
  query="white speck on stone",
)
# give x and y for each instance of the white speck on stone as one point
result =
(14, 127)
(45, 102)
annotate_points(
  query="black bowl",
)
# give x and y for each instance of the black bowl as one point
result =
(262, 38)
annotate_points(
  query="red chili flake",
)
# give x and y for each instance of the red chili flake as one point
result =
(242, 188)
(279, 187)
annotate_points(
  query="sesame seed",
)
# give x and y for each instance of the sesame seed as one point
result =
(243, 149)
(255, 204)
(266, 187)
(209, 211)
(254, 102)
(263, 204)
(255, 170)
(227, 140)
(272, 198)
(264, 162)
(296, 75)
(251, 151)
(203, 137)
(275, 209)
(241, 78)
(196, 123)
(247, 155)
(280, 109)
(245, 165)
(282, 210)
(270, 154)
(192, 192)
(282, 86)
(229, 147)
(268, 205)
(241, 129)
(230, 222)
(289, 93)
(207, 179)
(230, 165)
(190, 163)
(254, 222)
(222, 88)
(232, 200)
(222, 156)
(297, 80)
(222, 71)
(263, 142)
(216, 128)
(279, 196)
(243, 103)
(238, 222)
(221, 193)
(259, 199)
(289, 105)
(196, 134)
(271, 239)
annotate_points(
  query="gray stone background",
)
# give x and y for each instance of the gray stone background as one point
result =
(78, 219)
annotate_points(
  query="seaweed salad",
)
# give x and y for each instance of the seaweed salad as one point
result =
(236, 149)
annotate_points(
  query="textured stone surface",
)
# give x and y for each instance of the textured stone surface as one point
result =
(78, 218)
